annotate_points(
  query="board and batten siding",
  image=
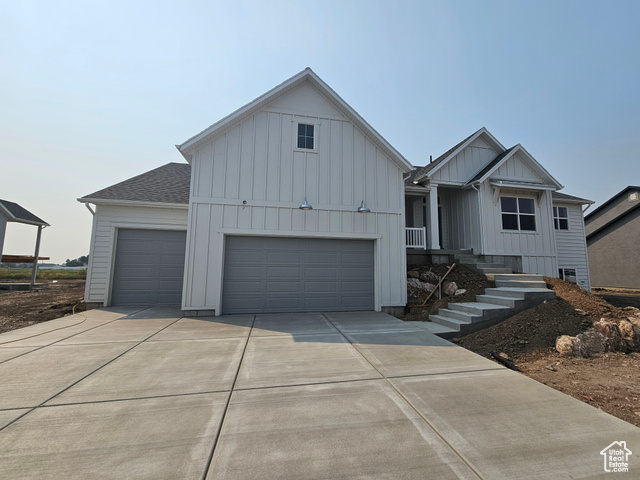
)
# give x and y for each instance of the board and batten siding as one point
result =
(460, 219)
(250, 180)
(467, 163)
(572, 245)
(537, 249)
(106, 221)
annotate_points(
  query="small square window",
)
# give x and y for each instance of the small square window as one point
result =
(568, 275)
(305, 136)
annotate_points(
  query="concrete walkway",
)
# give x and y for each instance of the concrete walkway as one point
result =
(148, 394)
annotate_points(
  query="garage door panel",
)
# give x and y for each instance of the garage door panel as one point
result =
(320, 287)
(148, 267)
(283, 258)
(244, 256)
(297, 274)
(283, 287)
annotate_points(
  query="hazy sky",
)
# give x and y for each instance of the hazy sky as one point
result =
(92, 93)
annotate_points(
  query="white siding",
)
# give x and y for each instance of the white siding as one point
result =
(515, 168)
(466, 164)
(572, 245)
(261, 166)
(538, 249)
(460, 218)
(105, 222)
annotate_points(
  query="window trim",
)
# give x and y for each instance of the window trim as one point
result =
(557, 218)
(518, 214)
(561, 274)
(316, 134)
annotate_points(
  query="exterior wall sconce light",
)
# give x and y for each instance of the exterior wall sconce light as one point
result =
(363, 208)
(305, 205)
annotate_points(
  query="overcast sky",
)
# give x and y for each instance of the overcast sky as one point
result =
(92, 93)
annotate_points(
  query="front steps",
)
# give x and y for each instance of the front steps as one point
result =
(480, 265)
(514, 293)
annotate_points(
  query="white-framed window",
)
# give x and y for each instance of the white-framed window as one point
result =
(568, 274)
(306, 136)
(518, 214)
(560, 218)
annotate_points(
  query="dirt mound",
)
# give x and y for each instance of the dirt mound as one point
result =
(464, 278)
(529, 330)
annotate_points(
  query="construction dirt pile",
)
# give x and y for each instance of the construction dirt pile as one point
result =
(460, 285)
(599, 344)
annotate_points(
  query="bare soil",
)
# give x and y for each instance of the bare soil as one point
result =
(607, 381)
(464, 278)
(56, 299)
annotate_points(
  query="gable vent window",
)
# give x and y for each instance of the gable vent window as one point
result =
(305, 136)
(560, 218)
(518, 214)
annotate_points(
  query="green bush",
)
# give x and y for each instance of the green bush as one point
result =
(25, 274)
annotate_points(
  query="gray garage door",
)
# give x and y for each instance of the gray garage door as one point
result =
(297, 275)
(149, 267)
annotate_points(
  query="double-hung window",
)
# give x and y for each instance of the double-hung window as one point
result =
(518, 214)
(560, 218)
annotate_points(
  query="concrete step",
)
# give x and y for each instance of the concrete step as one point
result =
(510, 302)
(485, 310)
(459, 315)
(494, 270)
(522, 277)
(520, 283)
(452, 323)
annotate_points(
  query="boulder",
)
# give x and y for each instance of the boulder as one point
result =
(415, 283)
(449, 288)
(430, 277)
(569, 346)
(592, 342)
(413, 274)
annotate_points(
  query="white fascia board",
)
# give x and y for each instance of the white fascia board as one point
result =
(577, 201)
(520, 185)
(133, 203)
(306, 75)
(530, 160)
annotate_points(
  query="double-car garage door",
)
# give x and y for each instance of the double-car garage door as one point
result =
(272, 274)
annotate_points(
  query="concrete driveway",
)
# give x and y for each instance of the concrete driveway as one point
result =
(132, 393)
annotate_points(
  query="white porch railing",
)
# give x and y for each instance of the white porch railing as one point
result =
(415, 237)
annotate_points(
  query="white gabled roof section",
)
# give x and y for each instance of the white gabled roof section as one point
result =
(440, 162)
(547, 178)
(307, 75)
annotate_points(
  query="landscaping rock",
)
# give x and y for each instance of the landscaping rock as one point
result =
(570, 346)
(415, 283)
(429, 277)
(449, 288)
(461, 291)
(413, 274)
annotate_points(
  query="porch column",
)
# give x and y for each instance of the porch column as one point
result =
(34, 270)
(433, 227)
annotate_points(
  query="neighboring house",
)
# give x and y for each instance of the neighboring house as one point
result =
(502, 204)
(275, 217)
(612, 231)
(295, 203)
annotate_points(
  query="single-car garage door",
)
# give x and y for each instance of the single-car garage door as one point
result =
(270, 274)
(149, 267)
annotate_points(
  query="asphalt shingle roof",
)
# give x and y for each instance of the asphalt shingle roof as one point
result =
(169, 183)
(21, 214)
(490, 165)
(564, 196)
(421, 171)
